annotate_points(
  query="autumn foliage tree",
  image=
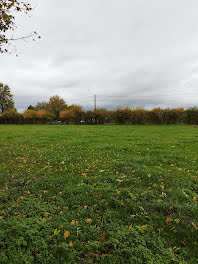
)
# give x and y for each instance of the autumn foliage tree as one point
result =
(56, 105)
(41, 106)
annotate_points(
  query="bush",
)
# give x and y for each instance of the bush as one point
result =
(121, 115)
(156, 116)
(139, 116)
(66, 116)
(10, 116)
(100, 115)
(29, 116)
(173, 116)
(191, 115)
(42, 116)
(89, 117)
(76, 114)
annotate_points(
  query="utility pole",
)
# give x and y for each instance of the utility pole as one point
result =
(94, 101)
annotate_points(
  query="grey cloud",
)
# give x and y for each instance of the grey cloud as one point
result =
(143, 51)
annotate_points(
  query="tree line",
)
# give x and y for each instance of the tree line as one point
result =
(57, 110)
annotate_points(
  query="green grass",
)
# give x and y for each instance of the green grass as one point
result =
(125, 194)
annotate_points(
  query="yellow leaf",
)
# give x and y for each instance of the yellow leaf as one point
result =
(194, 225)
(102, 238)
(73, 222)
(88, 220)
(4, 16)
(168, 220)
(66, 234)
(71, 244)
(194, 198)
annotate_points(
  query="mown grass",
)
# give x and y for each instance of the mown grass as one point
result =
(98, 194)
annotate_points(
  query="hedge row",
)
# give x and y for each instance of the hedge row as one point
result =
(119, 116)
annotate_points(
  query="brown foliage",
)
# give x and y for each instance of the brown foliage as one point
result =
(29, 114)
(139, 116)
(11, 115)
(121, 115)
(56, 105)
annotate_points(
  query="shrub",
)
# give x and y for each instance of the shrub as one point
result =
(173, 116)
(156, 116)
(76, 114)
(121, 115)
(10, 116)
(139, 116)
(29, 116)
(89, 117)
(191, 115)
(43, 116)
(66, 116)
(100, 115)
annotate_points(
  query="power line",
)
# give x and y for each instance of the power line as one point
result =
(151, 95)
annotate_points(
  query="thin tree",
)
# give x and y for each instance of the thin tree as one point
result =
(6, 98)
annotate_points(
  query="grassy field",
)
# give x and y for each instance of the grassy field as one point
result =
(98, 194)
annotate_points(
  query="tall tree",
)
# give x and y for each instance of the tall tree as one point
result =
(56, 105)
(6, 101)
(42, 106)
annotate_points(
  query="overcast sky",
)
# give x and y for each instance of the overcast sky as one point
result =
(127, 52)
